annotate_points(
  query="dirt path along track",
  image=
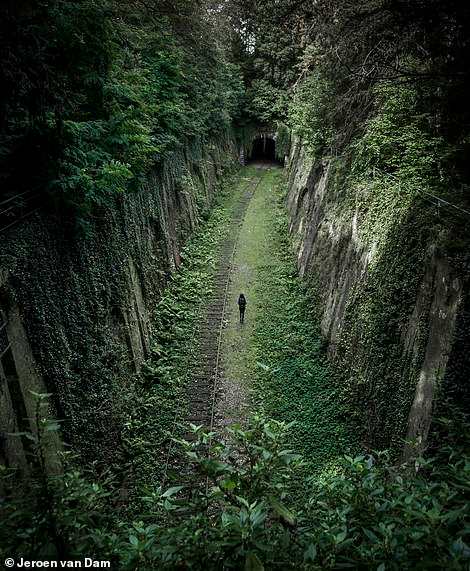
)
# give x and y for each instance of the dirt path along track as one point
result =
(202, 391)
(205, 366)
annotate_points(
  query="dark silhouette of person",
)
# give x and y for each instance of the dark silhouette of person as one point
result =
(242, 306)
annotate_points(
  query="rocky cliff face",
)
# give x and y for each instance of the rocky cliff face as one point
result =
(77, 308)
(388, 298)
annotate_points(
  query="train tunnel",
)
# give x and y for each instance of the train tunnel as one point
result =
(263, 150)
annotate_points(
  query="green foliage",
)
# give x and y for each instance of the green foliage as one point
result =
(239, 518)
(376, 516)
(309, 112)
(238, 511)
(398, 140)
(383, 183)
(392, 167)
(159, 394)
(264, 102)
(283, 141)
(144, 409)
(294, 381)
(265, 41)
(55, 513)
(52, 510)
(125, 90)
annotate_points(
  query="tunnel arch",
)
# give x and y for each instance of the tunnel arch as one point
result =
(263, 149)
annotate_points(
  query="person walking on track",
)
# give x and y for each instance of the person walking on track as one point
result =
(241, 307)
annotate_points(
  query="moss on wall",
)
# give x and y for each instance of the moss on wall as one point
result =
(386, 289)
(86, 297)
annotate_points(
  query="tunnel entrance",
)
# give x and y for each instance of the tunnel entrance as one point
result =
(264, 150)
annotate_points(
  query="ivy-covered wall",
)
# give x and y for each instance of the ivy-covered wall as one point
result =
(85, 297)
(389, 292)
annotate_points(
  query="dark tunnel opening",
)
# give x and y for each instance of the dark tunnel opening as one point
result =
(264, 150)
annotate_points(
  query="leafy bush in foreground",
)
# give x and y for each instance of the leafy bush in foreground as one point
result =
(236, 510)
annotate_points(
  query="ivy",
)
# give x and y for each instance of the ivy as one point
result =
(159, 394)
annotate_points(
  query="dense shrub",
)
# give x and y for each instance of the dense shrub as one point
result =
(235, 509)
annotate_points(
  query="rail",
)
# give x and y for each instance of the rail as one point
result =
(202, 395)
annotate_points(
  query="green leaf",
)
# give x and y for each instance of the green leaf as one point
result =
(310, 553)
(370, 535)
(243, 501)
(252, 562)
(263, 366)
(40, 396)
(281, 510)
(172, 491)
(228, 485)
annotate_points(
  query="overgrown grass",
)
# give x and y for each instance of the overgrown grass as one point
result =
(239, 352)
(158, 397)
(278, 354)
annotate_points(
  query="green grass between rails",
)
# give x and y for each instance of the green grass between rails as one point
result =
(159, 391)
(277, 355)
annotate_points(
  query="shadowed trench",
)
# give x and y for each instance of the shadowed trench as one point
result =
(159, 160)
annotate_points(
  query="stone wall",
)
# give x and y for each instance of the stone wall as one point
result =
(388, 300)
(77, 304)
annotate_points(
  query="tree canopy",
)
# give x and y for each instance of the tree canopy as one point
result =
(97, 92)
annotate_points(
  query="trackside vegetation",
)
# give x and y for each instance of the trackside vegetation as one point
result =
(271, 494)
(370, 514)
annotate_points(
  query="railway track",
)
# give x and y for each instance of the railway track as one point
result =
(206, 365)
